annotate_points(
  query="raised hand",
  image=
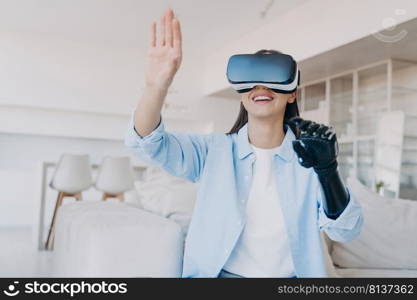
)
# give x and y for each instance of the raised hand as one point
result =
(316, 146)
(165, 53)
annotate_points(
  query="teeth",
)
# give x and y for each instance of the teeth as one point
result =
(262, 98)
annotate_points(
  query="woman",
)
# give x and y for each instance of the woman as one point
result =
(259, 209)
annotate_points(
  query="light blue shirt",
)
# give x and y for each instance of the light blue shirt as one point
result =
(221, 164)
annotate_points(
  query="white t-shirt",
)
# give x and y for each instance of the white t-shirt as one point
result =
(262, 249)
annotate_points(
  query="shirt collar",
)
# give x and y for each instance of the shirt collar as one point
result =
(285, 150)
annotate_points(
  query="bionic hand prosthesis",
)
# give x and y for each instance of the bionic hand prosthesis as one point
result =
(316, 146)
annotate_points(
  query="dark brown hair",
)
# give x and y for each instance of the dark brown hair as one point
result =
(291, 109)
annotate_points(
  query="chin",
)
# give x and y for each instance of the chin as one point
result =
(262, 115)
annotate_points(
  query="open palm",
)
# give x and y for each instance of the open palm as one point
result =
(165, 54)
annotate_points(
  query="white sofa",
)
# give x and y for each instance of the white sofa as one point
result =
(114, 239)
(387, 245)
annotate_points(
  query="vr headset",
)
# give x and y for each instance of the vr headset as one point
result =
(278, 72)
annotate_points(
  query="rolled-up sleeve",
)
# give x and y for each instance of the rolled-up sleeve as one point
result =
(134, 140)
(347, 226)
(182, 155)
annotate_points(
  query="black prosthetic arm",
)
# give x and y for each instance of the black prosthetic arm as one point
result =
(335, 194)
(316, 146)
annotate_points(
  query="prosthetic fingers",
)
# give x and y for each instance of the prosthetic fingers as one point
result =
(316, 146)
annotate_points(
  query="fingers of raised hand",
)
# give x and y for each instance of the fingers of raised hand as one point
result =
(168, 27)
(177, 38)
(153, 35)
(169, 30)
(162, 30)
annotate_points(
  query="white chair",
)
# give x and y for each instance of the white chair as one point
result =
(72, 176)
(115, 177)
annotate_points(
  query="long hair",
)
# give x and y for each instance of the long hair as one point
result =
(291, 109)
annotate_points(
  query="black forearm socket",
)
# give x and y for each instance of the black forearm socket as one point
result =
(335, 193)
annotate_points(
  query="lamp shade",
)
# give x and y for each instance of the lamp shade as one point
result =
(115, 175)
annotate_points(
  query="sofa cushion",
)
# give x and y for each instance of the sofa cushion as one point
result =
(167, 196)
(327, 244)
(388, 239)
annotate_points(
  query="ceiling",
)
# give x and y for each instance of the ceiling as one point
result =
(362, 52)
(207, 24)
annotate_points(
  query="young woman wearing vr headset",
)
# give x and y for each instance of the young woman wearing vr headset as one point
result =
(267, 188)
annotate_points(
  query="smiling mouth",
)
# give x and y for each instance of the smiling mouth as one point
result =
(262, 99)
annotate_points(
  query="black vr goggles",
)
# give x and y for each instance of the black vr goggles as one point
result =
(278, 72)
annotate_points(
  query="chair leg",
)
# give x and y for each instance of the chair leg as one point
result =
(78, 196)
(49, 241)
(118, 196)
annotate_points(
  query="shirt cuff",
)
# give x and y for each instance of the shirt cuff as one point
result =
(133, 139)
(347, 219)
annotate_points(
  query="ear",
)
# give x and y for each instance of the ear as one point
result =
(292, 97)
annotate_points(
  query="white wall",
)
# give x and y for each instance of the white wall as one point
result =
(61, 95)
(48, 71)
(47, 79)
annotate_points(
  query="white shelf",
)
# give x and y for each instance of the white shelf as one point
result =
(369, 98)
